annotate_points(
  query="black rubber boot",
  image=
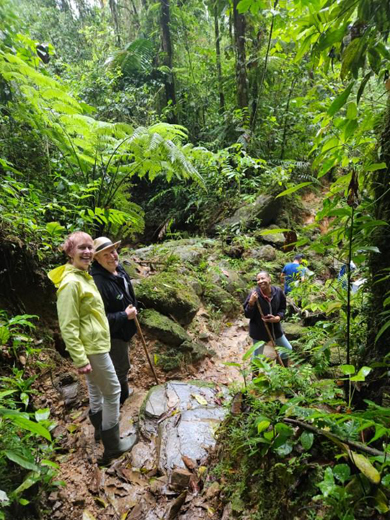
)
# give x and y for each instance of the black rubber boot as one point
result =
(114, 446)
(125, 392)
(96, 420)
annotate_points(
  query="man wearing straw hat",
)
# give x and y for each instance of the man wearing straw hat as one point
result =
(120, 304)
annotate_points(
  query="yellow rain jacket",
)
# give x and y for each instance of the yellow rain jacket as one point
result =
(81, 315)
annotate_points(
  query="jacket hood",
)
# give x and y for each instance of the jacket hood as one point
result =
(59, 273)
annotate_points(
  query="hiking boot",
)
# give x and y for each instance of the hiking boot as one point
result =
(96, 420)
(126, 392)
(114, 446)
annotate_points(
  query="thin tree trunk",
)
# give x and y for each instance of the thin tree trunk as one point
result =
(114, 13)
(379, 262)
(218, 58)
(168, 57)
(239, 40)
(286, 119)
(256, 101)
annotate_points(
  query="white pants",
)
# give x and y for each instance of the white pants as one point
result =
(104, 389)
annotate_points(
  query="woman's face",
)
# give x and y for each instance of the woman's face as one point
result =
(82, 253)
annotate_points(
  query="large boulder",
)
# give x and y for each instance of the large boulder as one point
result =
(293, 331)
(229, 280)
(265, 209)
(265, 253)
(192, 436)
(169, 295)
(177, 347)
(163, 328)
(221, 299)
(276, 239)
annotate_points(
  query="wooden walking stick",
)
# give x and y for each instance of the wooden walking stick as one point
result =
(269, 334)
(145, 348)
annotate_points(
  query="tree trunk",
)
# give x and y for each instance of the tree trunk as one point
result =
(218, 58)
(241, 73)
(115, 17)
(378, 384)
(168, 58)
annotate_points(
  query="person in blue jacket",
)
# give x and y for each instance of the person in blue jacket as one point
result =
(291, 272)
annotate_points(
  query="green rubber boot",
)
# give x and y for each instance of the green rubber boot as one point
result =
(114, 446)
(96, 420)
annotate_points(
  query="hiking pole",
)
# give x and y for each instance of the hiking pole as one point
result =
(269, 334)
(145, 348)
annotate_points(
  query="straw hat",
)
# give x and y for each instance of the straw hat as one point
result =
(102, 243)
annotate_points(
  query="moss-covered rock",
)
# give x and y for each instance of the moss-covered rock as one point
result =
(163, 328)
(181, 349)
(169, 295)
(293, 330)
(221, 299)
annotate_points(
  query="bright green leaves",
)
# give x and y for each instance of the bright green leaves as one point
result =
(340, 100)
(330, 37)
(293, 189)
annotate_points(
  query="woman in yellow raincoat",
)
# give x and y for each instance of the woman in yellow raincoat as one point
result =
(85, 330)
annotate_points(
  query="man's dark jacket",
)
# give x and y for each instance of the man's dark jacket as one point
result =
(277, 307)
(116, 299)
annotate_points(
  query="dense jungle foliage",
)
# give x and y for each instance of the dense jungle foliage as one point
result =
(152, 120)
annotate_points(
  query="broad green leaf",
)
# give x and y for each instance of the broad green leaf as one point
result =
(250, 351)
(361, 375)
(273, 231)
(42, 415)
(263, 425)
(50, 463)
(31, 426)
(24, 398)
(326, 166)
(381, 502)
(6, 392)
(351, 110)
(32, 478)
(382, 330)
(4, 500)
(292, 190)
(330, 37)
(340, 101)
(307, 439)
(21, 460)
(363, 86)
(284, 449)
(365, 466)
(347, 369)
(342, 472)
(386, 481)
(327, 485)
(375, 167)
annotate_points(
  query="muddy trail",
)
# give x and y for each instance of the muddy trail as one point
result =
(133, 487)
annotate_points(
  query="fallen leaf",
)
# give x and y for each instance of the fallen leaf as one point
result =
(87, 515)
(72, 427)
(365, 466)
(101, 502)
(200, 399)
(190, 463)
